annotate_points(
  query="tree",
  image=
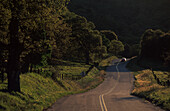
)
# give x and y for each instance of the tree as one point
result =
(99, 53)
(115, 47)
(155, 46)
(84, 38)
(89, 40)
(105, 41)
(109, 34)
(149, 44)
(31, 24)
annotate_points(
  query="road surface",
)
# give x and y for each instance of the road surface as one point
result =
(112, 95)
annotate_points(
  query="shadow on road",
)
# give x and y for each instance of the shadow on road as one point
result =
(127, 98)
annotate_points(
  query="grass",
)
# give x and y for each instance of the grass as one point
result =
(146, 85)
(93, 79)
(70, 68)
(39, 92)
(163, 77)
(106, 62)
(73, 70)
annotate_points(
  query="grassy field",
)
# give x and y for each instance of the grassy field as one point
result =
(146, 86)
(73, 70)
(39, 92)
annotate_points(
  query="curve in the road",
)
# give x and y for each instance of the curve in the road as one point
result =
(101, 97)
(113, 94)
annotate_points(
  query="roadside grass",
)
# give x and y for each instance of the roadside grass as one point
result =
(163, 77)
(91, 80)
(106, 62)
(146, 85)
(39, 92)
(69, 68)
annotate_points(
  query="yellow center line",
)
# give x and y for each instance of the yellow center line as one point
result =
(101, 97)
(101, 103)
(104, 103)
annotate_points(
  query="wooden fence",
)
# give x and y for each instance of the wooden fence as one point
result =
(61, 76)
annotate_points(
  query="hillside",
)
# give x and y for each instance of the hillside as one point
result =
(128, 18)
(38, 92)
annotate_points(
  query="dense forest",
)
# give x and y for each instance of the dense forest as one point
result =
(128, 18)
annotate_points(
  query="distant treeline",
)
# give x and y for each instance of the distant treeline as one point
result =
(155, 45)
(128, 18)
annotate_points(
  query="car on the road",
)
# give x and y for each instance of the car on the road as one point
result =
(123, 59)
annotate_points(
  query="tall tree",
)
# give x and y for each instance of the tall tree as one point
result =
(155, 46)
(31, 25)
(84, 38)
(116, 47)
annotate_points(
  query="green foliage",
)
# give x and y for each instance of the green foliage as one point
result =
(116, 46)
(105, 41)
(106, 62)
(146, 86)
(129, 19)
(155, 45)
(33, 32)
(109, 34)
(38, 93)
(84, 38)
(27, 30)
(163, 77)
(98, 54)
(90, 78)
(73, 70)
(35, 94)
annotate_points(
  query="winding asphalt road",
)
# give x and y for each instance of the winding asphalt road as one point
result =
(112, 95)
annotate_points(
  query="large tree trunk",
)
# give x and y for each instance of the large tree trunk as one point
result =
(13, 80)
(13, 66)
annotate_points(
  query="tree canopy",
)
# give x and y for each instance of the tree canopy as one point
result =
(155, 45)
(32, 33)
(27, 28)
(116, 46)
